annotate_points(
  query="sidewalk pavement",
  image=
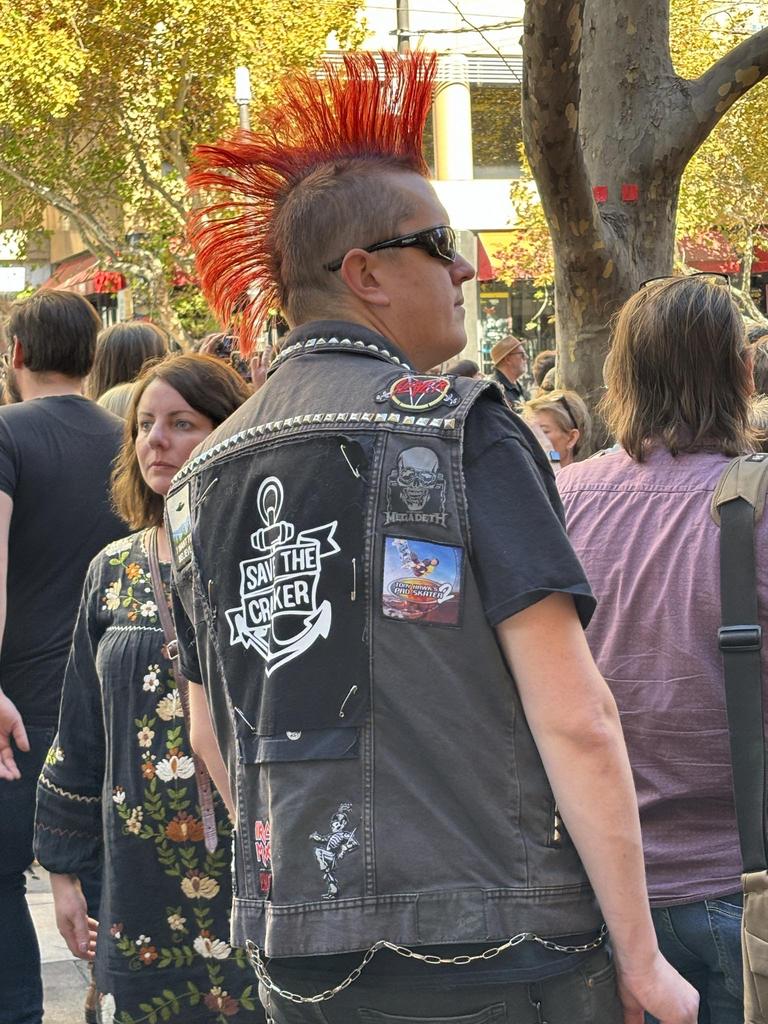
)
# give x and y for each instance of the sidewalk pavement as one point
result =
(65, 978)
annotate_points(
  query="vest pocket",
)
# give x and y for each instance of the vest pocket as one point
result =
(308, 745)
(300, 808)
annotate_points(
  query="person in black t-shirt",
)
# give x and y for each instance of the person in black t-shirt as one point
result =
(56, 453)
(345, 235)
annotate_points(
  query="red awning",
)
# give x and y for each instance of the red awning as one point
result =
(485, 270)
(714, 254)
(711, 253)
(81, 274)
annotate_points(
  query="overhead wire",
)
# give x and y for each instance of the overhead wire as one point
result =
(479, 29)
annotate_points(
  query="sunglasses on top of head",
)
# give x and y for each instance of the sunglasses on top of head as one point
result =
(439, 242)
(709, 276)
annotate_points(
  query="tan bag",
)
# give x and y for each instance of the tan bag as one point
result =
(754, 947)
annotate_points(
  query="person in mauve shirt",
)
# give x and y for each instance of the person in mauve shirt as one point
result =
(678, 388)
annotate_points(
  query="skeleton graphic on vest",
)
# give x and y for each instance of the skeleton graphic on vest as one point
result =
(337, 844)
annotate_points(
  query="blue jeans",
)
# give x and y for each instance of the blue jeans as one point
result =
(585, 995)
(21, 987)
(703, 941)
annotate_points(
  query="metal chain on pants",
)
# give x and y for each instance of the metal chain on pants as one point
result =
(259, 967)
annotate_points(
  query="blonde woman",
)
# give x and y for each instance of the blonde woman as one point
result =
(564, 420)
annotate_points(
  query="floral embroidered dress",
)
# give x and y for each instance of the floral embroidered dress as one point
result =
(119, 781)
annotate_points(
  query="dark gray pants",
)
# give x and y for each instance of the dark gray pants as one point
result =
(585, 995)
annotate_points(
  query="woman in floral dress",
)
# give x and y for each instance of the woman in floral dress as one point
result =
(119, 782)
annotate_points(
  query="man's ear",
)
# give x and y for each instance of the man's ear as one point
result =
(17, 354)
(361, 273)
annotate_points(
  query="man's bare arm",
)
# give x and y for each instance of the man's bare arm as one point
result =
(205, 745)
(11, 723)
(575, 723)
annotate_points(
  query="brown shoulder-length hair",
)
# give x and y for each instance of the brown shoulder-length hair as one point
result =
(121, 351)
(210, 386)
(678, 373)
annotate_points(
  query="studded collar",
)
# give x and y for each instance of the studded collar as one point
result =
(339, 336)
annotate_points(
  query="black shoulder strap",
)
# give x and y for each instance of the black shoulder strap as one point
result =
(738, 503)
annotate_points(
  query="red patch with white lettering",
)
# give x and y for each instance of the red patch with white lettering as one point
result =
(416, 393)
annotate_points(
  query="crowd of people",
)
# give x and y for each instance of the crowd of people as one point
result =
(466, 714)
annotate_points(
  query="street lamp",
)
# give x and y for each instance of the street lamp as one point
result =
(243, 96)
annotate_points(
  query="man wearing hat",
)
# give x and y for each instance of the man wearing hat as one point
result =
(510, 361)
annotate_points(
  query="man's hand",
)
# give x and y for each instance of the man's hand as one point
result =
(575, 724)
(77, 929)
(11, 728)
(660, 991)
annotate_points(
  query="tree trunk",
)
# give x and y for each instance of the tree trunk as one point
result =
(603, 110)
(150, 292)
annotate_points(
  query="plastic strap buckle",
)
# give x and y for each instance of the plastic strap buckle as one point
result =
(740, 638)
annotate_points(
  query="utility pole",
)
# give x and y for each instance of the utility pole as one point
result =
(403, 27)
(243, 96)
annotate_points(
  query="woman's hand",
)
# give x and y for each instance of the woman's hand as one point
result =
(77, 929)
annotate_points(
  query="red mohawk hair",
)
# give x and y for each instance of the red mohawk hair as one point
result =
(375, 107)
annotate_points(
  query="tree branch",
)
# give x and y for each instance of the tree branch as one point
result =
(551, 97)
(173, 136)
(151, 182)
(171, 144)
(94, 234)
(181, 96)
(724, 83)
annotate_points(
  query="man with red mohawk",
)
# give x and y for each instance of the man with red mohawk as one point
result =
(376, 591)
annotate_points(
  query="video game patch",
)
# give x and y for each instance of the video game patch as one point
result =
(180, 523)
(422, 581)
(417, 393)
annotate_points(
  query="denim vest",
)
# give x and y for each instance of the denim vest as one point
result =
(386, 780)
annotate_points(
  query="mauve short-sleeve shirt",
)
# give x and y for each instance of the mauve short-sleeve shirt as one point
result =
(650, 549)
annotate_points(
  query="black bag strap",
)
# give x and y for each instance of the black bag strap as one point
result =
(737, 504)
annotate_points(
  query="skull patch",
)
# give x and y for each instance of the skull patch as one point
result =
(416, 489)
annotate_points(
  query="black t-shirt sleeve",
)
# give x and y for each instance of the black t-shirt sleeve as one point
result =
(520, 550)
(189, 663)
(9, 462)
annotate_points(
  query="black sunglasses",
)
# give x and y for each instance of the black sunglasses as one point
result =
(439, 242)
(716, 275)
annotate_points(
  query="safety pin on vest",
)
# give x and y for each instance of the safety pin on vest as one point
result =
(351, 693)
(353, 593)
(240, 713)
(355, 470)
(214, 613)
(206, 492)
